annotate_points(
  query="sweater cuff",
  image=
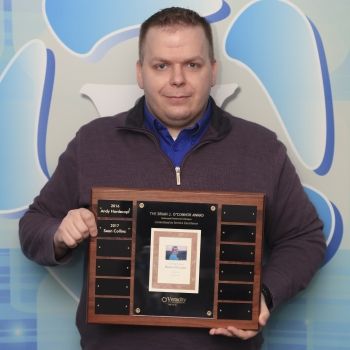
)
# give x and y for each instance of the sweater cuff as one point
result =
(265, 291)
(52, 256)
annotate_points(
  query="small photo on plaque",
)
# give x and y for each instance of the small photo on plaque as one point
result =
(174, 252)
(174, 260)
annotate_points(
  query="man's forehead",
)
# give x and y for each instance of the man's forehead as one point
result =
(172, 41)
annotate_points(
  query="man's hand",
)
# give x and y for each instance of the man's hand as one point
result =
(231, 331)
(76, 226)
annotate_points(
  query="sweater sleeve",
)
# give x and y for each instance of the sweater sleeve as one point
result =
(60, 194)
(294, 236)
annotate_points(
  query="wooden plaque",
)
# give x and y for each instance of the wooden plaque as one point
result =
(176, 258)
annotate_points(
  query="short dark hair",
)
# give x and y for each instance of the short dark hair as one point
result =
(173, 16)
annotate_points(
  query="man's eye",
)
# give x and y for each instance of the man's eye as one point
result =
(160, 66)
(193, 65)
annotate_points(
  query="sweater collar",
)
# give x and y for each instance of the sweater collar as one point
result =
(219, 127)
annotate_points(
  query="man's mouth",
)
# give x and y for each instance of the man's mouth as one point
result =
(177, 97)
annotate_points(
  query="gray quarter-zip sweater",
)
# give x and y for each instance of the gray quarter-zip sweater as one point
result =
(233, 155)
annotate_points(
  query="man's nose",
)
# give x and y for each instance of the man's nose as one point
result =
(177, 76)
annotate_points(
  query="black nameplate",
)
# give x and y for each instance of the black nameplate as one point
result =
(108, 286)
(113, 267)
(230, 291)
(239, 213)
(114, 228)
(235, 311)
(111, 208)
(108, 247)
(243, 253)
(236, 272)
(112, 306)
(238, 233)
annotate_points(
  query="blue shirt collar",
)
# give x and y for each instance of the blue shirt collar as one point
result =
(187, 138)
(156, 126)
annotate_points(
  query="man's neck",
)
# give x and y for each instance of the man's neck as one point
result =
(174, 132)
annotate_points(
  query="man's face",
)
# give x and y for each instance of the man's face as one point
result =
(176, 74)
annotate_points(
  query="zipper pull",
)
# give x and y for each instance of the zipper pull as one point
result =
(178, 176)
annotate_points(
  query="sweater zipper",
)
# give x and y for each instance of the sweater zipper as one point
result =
(178, 175)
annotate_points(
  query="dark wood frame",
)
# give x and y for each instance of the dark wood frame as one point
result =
(219, 198)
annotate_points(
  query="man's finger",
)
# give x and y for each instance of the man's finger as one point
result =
(220, 331)
(89, 220)
(242, 334)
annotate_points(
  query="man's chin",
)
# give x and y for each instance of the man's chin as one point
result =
(179, 120)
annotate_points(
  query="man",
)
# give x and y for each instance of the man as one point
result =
(174, 253)
(177, 138)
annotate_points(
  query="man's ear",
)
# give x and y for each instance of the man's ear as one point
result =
(139, 74)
